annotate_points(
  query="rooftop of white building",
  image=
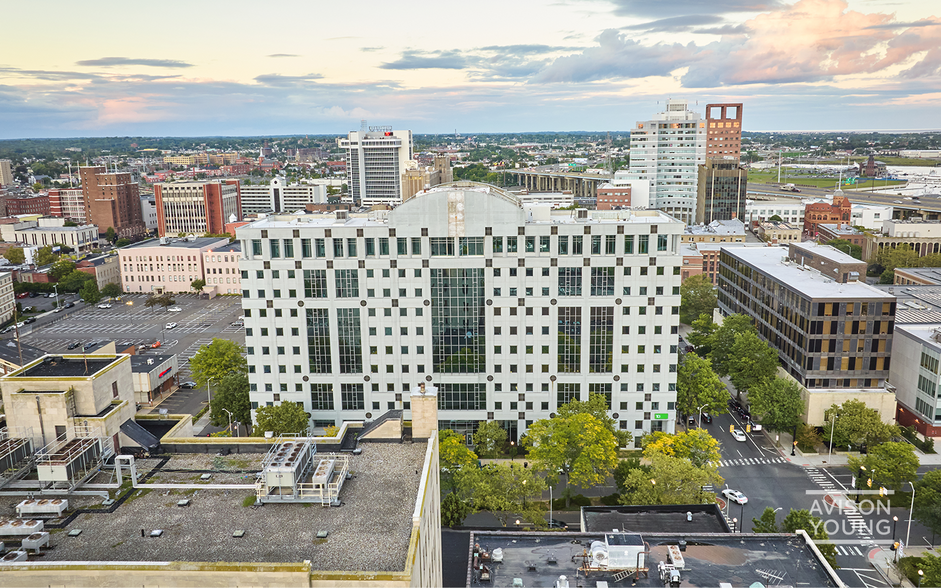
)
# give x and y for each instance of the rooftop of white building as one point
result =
(718, 227)
(774, 262)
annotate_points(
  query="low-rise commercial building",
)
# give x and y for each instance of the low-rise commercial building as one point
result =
(789, 210)
(718, 231)
(105, 268)
(154, 376)
(778, 232)
(917, 276)
(165, 265)
(51, 230)
(611, 196)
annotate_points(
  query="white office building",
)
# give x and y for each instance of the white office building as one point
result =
(376, 159)
(666, 152)
(510, 310)
(279, 196)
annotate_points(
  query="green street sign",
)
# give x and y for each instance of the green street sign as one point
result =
(661, 416)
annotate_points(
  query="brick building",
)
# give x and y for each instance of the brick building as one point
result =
(196, 207)
(818, 213)
(612, 196)
(32, 204)
(112, 200)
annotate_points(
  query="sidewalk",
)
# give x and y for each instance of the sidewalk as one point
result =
(883, 560)
(837, 458)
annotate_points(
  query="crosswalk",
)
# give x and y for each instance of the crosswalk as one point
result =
(724, 463)
(857, 523)
(849, 550)
(820, 479)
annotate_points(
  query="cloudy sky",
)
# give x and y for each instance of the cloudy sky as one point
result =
(234, 67)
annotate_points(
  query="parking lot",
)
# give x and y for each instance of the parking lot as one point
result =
(128, 322)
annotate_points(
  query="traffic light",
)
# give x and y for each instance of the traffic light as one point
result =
(731, 428)
(748, 428)
(882, 491)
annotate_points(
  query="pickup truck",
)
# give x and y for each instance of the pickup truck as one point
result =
(789, 188)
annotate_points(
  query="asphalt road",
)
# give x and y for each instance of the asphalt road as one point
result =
(926, 203)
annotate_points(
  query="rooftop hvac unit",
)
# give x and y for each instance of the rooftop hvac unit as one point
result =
(46, 506)
(13, 557)
(36, 541)
(20, 527)
(599, 554)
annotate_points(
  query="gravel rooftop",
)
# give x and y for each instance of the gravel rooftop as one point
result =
(370, 532)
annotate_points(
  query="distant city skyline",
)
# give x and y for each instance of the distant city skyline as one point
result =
(201, 68)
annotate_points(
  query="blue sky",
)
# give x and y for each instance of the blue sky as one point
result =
(243, 68)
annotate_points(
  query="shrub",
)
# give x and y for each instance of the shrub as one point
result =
(611, 499)
(581, 500)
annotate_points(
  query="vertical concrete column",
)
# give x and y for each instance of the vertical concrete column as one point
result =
(424, 401)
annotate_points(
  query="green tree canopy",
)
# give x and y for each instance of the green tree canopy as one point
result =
(283, 419)
(777, 403)
(928, 500)
(489, 438)
(198, 285)
(217, 360)
(724, 338)
(702, 335)
(752, 361)
(813, 526)
(580, 446)
(502, 489)
(670, 480)
(596, 406)
(698, 385)
(111, 290)
(163, 300)
(697, 296)
(231, 393)
(15, 255)
(846, 247)
(857, 424)
(110, 234)
(75, 281)
(767, 523)
(902, 256)
(89, 291)
(453, 453)
(894, 465)
(44, 256)
(697, 446)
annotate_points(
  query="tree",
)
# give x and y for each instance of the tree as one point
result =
(767, 523)
(217, 360)
(671, 480)
(75, 281)
(697, 446)
(89, 291)
(163, 300)
(489, 438)
(453, 510)
(702, 335)
(928, 500)
(282, 419)
(596, 406)
(724, 338)
(752, 361)
(44, 256)
(15, 255)
(902, 256)
(697, 297)
(813, 526)
(111, 290)
(453, 455)
(61, 268)
(502, 489)
(857, 424)
(580, 446)
(231, 393)
(894, 464)
(198, 285)
(698, 385)
(776, 403)
(775, 219)
(111, 234)
(122, 242)
(846, 247)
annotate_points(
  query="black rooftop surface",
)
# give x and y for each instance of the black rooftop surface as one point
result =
(9, 352)
(233, 247)
(740, 560)
(67, 368)
(707, 518)
(199, 243)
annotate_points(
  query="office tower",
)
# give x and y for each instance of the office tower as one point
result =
(112, 200)
(666, 151)
(831, 330)
(6, 172)
(68, 203)
(510, 310)
(279, 196)
(724, 131)
(721, 191)
(376, 159)
(418, 177)
(196, 207)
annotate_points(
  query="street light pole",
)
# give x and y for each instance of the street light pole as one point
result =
(550, 503)
(700, 414)
(209, 391)
(794, 441)
(832, 428)
(230, 425)
(56, 288)
(911, 511)
(859, 480)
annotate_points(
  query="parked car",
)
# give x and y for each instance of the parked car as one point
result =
(104, 305)
(189, 384)
(707, 418)
(690, 421)
(738, 435)
(30, 320)
(22, 295)
(88, 345)
(735, 496)
(59, 309)
(174, 309)
(73, 345)
(557, 524)
(69, 305)
(7, 329)
(171, 325)
(33, 294)
(239, 323)
(51, 295)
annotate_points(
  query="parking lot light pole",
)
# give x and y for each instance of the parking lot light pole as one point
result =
(230, 425)
(56, 288)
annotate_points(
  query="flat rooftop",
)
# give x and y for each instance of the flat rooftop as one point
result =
(915, 304)
(808, 282)
(369, 532)
(539, 559)
(652, 519)
(825, 252)
(197, 243)
(66, 367)
(9, 351)
(139, 362)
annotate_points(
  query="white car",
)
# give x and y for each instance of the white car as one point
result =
(171, 325)
(738, 435)
(735, 496)
(104, 305)
(174, 309)
(59, 309)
